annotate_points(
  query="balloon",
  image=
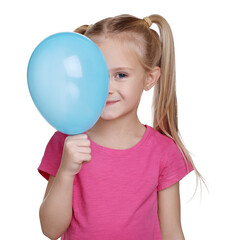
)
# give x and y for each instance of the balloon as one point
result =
(68, 80)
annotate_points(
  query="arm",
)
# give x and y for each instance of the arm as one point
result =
(56, 209)
(169, 213)
(58, 196)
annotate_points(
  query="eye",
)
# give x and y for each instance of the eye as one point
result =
(121, 75)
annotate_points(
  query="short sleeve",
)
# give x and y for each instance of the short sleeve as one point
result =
(172, 167)
(52, 156)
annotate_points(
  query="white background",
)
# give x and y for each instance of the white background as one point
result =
(201, 35)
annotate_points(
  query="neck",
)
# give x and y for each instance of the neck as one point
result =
(120, 128)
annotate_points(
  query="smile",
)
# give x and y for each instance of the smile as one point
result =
(110, 103)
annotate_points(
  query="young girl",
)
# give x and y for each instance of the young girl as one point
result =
(129, 188)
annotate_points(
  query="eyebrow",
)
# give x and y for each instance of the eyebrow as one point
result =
(121, 69)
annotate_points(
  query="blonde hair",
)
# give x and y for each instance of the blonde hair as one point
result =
(152, 50)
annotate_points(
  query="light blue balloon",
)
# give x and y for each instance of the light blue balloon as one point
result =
(68, 80)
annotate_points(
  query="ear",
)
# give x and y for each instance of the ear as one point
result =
(152, 78)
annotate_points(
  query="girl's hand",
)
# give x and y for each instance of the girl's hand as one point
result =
(76, 151)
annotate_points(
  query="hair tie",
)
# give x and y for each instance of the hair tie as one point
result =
(89, 26)
(148, 20)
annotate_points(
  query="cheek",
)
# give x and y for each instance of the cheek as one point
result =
(132, 92)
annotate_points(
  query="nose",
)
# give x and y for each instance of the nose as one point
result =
(111, 87)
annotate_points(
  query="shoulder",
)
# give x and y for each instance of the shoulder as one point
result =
(56, 141)
(162, 147)
(160, 140)
(52, 155)
(59, 136)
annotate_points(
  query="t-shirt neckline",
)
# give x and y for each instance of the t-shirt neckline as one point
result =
(122, 151)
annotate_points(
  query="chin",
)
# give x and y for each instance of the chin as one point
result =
(107, 117)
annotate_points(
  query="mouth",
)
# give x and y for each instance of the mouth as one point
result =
(111, 102)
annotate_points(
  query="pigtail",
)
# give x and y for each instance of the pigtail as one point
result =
(165, 99)
(82, 29)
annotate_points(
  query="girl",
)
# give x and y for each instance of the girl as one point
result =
(129, 190)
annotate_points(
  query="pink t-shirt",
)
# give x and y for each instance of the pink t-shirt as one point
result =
(115, 195)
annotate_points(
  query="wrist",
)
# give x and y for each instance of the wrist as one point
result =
(65, 176)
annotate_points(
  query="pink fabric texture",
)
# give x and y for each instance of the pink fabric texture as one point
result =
(115, 195)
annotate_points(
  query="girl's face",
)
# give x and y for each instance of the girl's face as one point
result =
(127, 78)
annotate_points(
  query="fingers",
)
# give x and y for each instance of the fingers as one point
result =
(84, 149)
(80, 140)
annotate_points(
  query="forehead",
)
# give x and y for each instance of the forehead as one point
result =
(118, 53)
